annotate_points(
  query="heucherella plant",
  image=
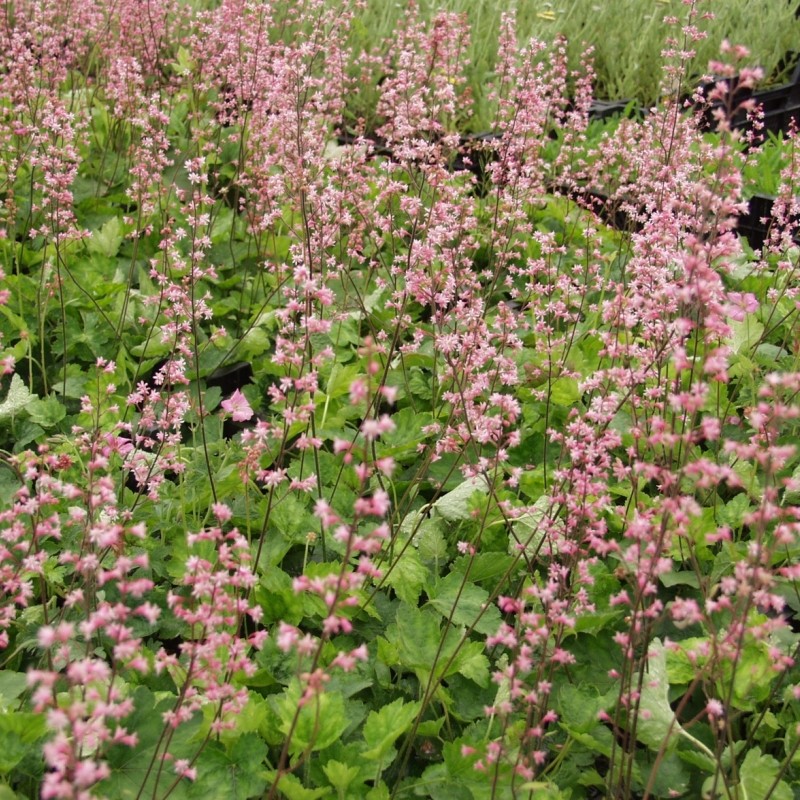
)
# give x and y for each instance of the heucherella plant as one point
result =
(358, 458)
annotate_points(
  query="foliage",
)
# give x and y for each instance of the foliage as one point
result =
(627, 38)
(437, 468)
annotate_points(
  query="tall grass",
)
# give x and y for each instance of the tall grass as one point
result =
(627, 37)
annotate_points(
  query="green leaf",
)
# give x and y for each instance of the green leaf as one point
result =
(472, 663)
(46, 412)
(465, 604)
(680, 668)
(454, 505)
(291, 518)
(768, 355)
(461, 781)
(529, 529)
(9, 486)
(340, 379)
(431, 541)
(744, 334)
(211, 398)
(483, 566)
(340, 775)
(290, 787)
(543, 790)
(18, 325)
(753, 677)
(431, 727)
(416, 634)
(383, 728)
(682, 578)
(408, 576)
(669, 775)
(184, 63)
(420, 384)
(319, 722)
(791, 746)
(593, 622)
(757, 774)
(565, 392)
(19, 734)
(697, 758)
(17, 398)
(407, 433)
(277, 599)
(598, 740)
(107, 239)
(27, 433)
(378, 792)
(132, 775)
(792, 494)
(747, 473)
(12, 685)
(580, 706)
(249, 719)
(235, 774)
(656, 720)
(734, 511)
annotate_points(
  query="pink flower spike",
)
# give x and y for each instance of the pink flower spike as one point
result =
(238, 407)
(222, 512)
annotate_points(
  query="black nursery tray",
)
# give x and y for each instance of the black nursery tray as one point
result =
(756, 224)
(780, 106)
(606, 109)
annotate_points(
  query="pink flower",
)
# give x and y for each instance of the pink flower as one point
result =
(715, 709)
(184, 770)
(287, 637)
(222, 512)
(238, 407)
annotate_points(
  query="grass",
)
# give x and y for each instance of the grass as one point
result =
(627, 37)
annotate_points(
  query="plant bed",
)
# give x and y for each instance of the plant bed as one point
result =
(441, 491)
(755, 226)
(780, 105)
(781, 120)
(606, 109)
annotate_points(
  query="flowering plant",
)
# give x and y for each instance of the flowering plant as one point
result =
(337, 472)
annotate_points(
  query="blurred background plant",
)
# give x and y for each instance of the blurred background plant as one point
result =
(627, 37)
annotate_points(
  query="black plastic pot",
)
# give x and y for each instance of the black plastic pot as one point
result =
(379, 147)
(609, 211)
(780, 105)
(756, 224)
(605, 109)
(751, 225)
(475, 153)
(780, 120)
(231, 377)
